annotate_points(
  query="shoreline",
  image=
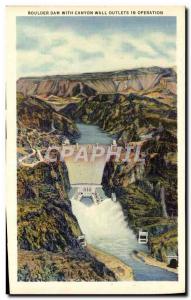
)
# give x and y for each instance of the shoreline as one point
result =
(122, 271)
(149, 260)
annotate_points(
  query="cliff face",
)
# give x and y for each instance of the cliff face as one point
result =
(130, 117)
(70, 265)
(37, 114)
(91, 83)
(53, 86)
(48, 247)
(45, 219)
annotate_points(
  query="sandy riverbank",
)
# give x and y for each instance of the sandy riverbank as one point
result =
(121, 270)
(147, 259)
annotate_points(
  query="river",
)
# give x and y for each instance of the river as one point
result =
(104, 224)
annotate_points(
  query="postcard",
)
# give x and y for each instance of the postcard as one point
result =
(96, 150)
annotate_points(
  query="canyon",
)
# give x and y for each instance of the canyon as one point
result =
(130, 106)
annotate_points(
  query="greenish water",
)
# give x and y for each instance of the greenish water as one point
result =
(92, 134)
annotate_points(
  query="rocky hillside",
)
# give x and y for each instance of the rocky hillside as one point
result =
(72, 264)
(129, 116)
(37, 114)
(92, 83)
(48, 246)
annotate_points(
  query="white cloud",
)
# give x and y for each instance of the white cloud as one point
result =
(65, 52)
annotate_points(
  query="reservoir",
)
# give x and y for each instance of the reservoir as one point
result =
(92, 134)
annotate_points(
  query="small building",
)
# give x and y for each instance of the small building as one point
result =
(172, 260)
(82, 240)
(87, 190)
(143, 237)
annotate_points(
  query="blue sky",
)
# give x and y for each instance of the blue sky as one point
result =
(65, 45)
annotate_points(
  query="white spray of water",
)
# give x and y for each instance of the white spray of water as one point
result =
(105, 228)
(104, 225)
